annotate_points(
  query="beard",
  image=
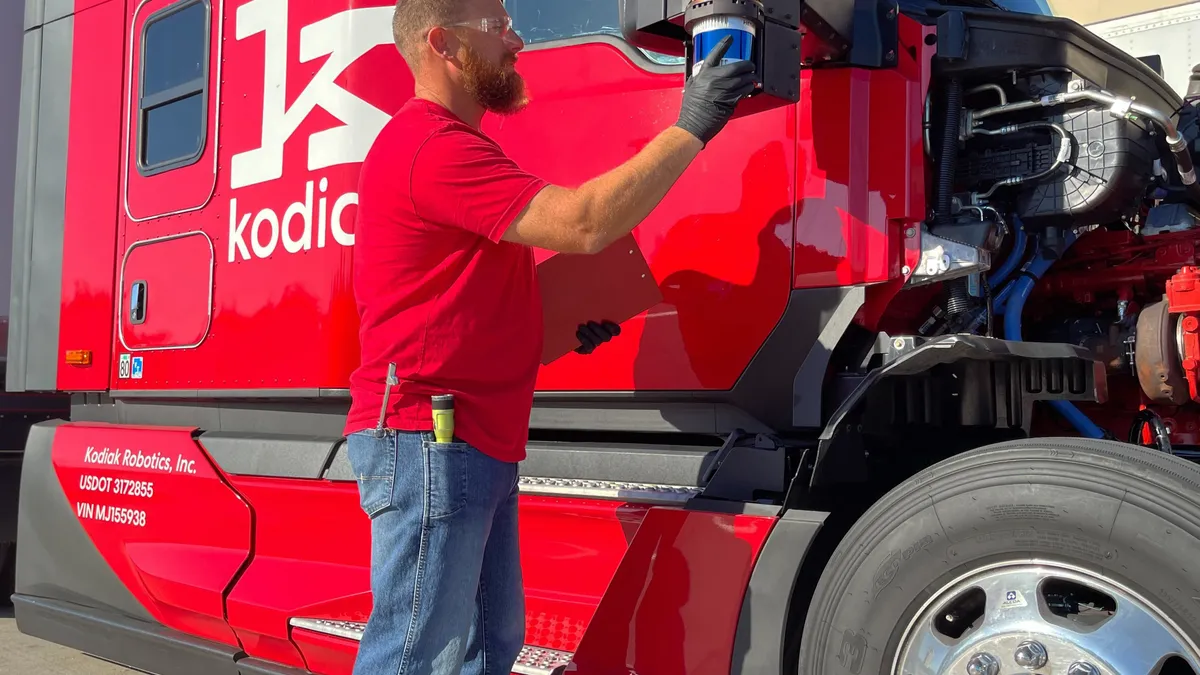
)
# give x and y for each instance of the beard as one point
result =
(496, 88)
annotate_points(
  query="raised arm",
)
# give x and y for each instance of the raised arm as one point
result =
(589, 218)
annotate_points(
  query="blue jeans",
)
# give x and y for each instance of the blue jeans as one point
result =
(447, 594)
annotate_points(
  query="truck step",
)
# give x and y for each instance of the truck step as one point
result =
(351, 630)
(541, 661)
(646, 493)
(531, 661)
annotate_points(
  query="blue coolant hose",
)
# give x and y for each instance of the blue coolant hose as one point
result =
(1016, 294)
(1010, 265)
(1014, 259)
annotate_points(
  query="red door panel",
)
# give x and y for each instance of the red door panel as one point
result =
(720, 243)
(166, 290)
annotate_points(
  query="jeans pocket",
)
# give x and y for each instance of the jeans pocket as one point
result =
(373, 459)
(448, 466)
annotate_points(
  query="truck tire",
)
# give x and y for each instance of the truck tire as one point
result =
(1060, 551)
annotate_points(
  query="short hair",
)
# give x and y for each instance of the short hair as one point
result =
(412, 21)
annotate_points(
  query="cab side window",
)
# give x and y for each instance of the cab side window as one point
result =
(545, 20)
(173, 93)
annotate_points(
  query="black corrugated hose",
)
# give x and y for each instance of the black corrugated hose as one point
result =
(958, 299)
(948, 161)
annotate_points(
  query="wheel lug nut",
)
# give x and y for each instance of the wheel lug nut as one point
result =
(983, 664)
(1082, 668)
(1031, 655)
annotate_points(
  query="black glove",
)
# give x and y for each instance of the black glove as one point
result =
(711, 96)
(593, 334)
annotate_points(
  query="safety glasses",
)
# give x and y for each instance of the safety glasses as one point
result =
(500, 27)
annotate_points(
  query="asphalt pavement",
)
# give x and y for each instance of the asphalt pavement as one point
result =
(23, 655)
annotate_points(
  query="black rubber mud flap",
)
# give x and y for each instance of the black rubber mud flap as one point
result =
(1089, 508)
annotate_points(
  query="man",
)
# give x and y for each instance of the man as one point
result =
(446, 286)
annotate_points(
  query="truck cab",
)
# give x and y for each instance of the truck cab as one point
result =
(897, 307)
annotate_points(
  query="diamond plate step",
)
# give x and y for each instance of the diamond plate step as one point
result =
(351, 630)
(604, 489)
(539, 661)
(531, 661)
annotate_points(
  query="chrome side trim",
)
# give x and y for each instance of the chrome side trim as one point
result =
(531, 661)
(351, 630)
(599, 489)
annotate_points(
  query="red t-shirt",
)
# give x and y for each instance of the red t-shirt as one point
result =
(439, 294)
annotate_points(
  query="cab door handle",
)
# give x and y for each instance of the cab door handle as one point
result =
(137, 303)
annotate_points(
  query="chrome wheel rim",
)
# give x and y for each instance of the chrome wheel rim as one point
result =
(1041, 617)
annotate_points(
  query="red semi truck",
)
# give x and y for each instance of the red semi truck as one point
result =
(916, 391)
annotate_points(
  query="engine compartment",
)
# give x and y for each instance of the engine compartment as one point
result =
(1064, 209)
(1076, 164)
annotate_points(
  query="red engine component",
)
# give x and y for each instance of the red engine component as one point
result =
(1119, 261)
(1152, 278)
(1183, 297)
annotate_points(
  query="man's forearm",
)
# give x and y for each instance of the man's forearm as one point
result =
(614, 203)
(590, 218)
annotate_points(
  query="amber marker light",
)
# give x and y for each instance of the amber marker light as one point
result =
(79, 357)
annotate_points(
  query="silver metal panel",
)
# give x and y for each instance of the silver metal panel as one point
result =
(23, 211)
(50, 196)
(35, 13)
(57, 9)
(11, 47)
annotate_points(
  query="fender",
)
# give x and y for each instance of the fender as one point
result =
(761, 643)
(972, 383)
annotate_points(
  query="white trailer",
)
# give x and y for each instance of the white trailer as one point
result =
(1169, 36)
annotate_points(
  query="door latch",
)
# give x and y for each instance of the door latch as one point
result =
(137, 303)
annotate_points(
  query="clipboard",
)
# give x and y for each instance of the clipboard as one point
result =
(613, 285)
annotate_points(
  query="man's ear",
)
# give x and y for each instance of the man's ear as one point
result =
(443, 42)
